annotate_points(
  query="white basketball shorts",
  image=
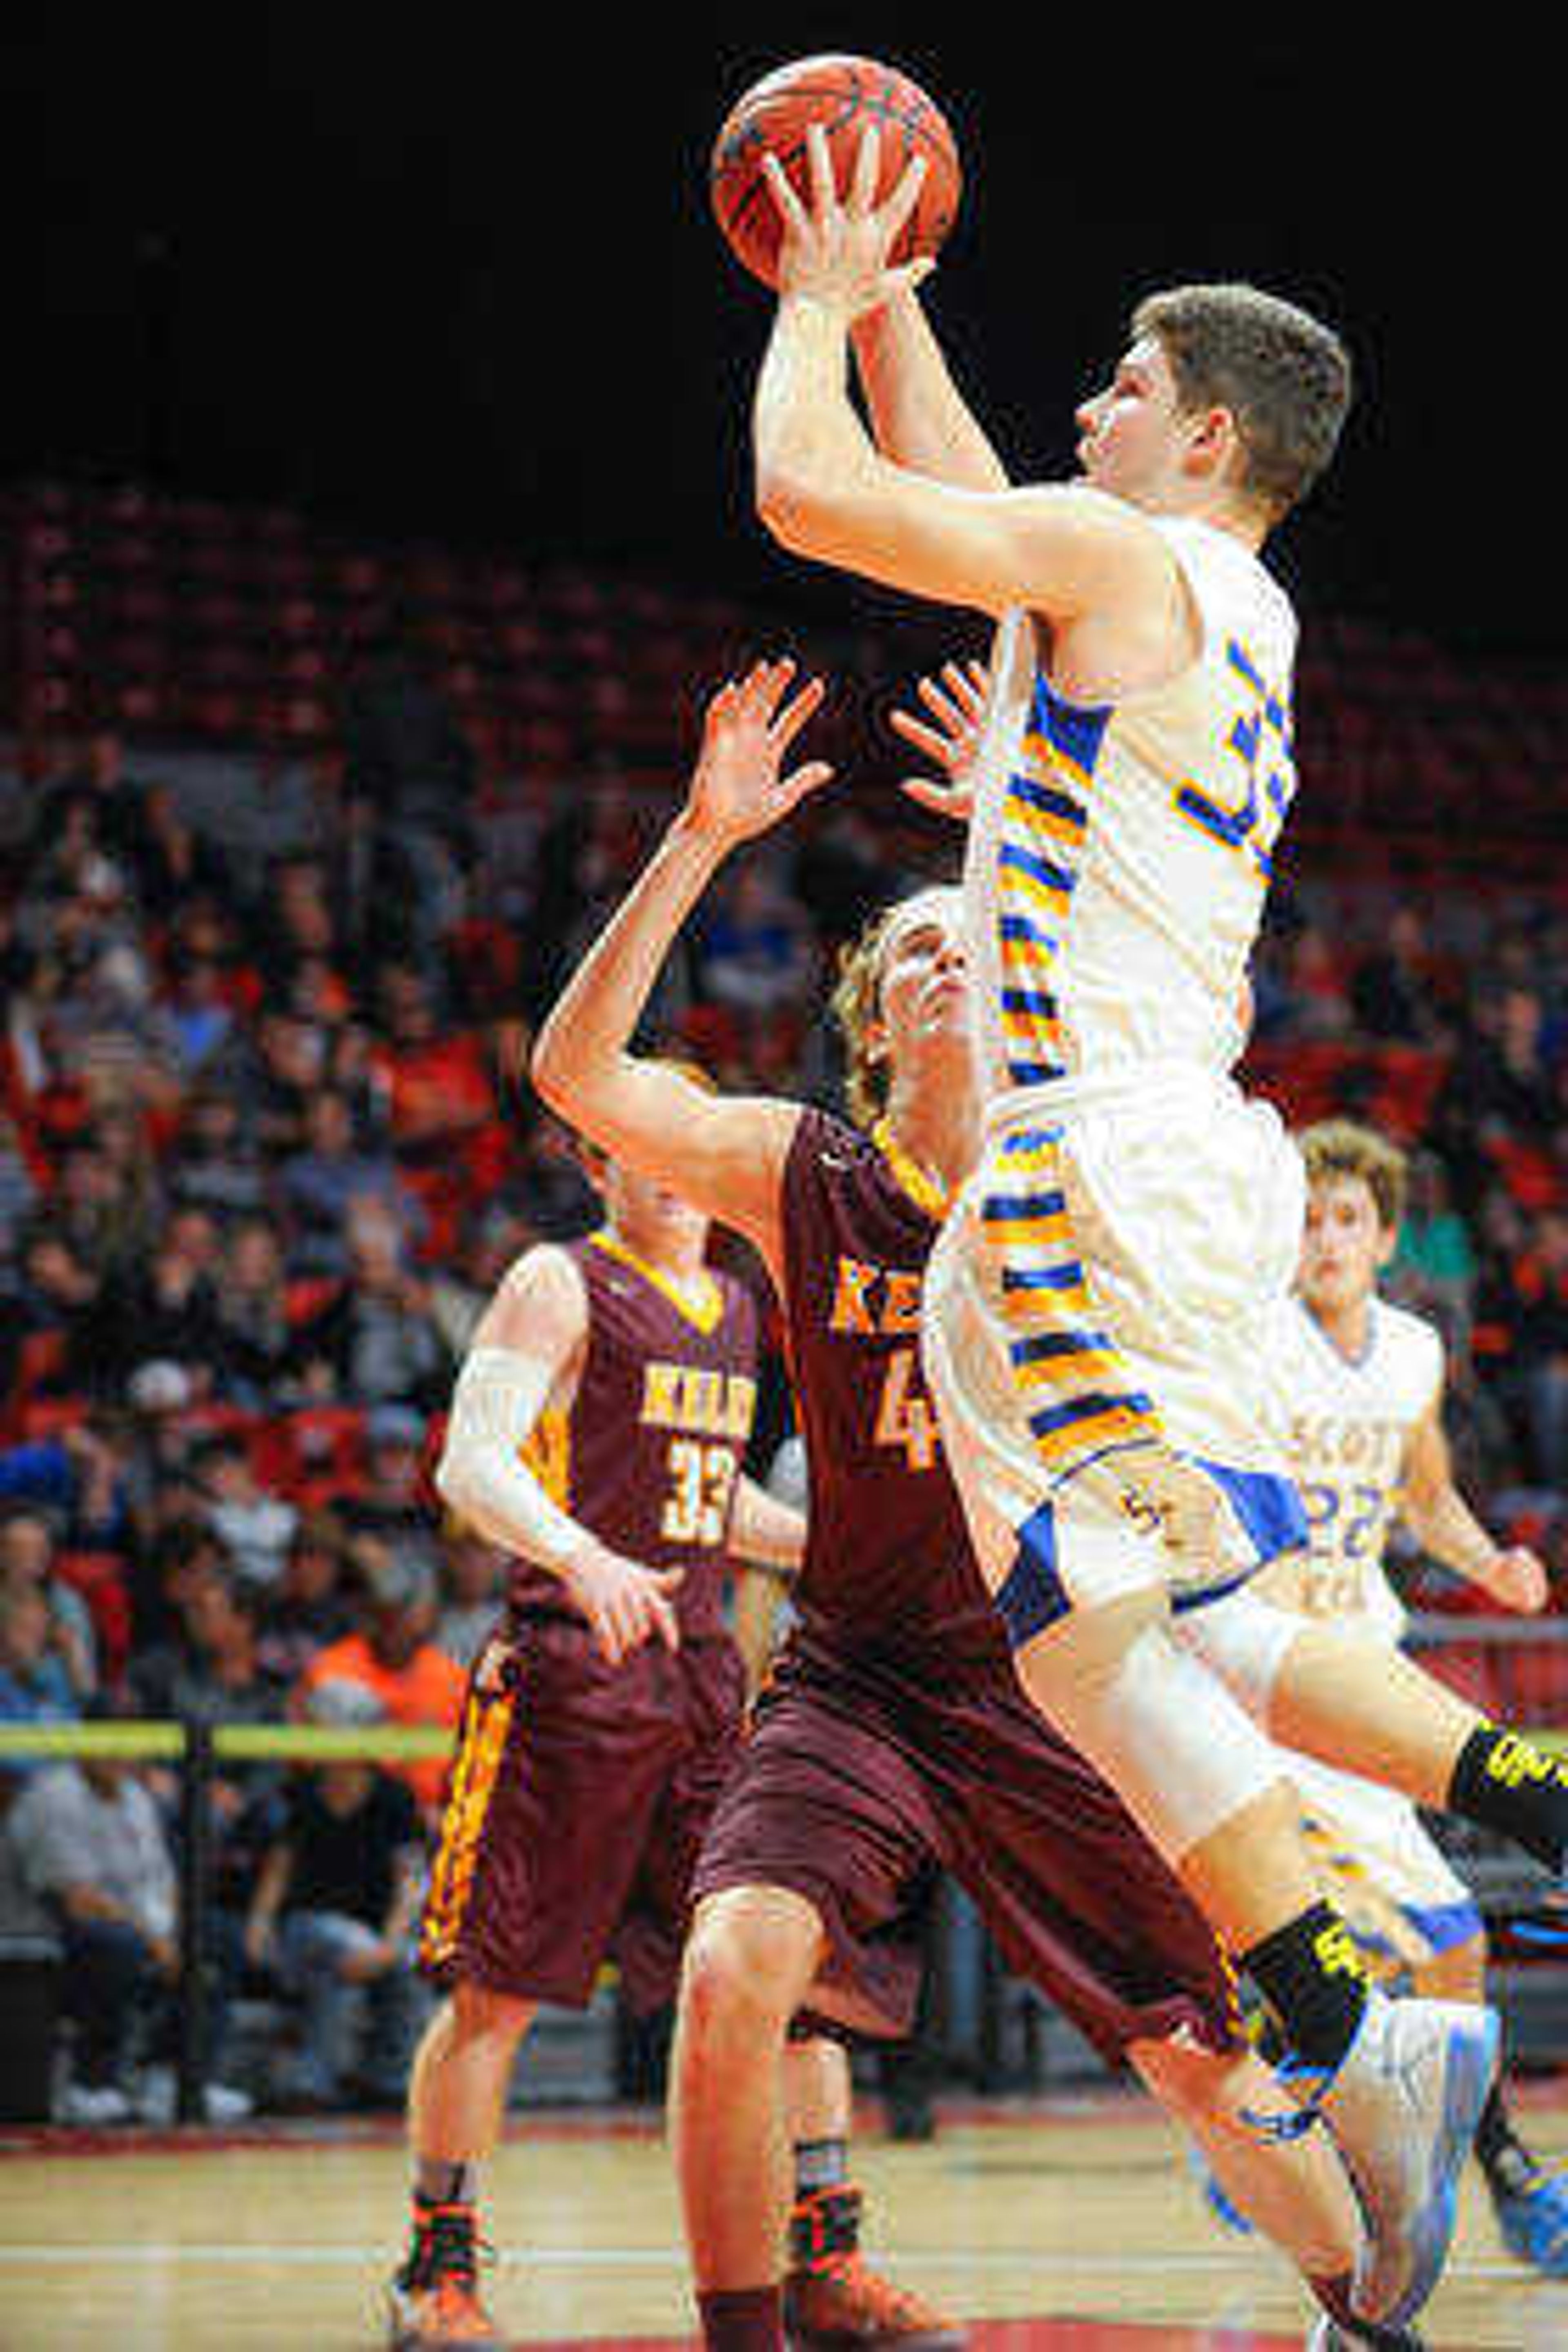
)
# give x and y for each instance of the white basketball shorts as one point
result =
(1093, 1333)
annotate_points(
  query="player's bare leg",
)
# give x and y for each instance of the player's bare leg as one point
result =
(1298, 2194)
(457, 2099)
(1328, 1691)
(1369, 1710)
(740, 2094)
(1400, 2086)
(1366, 1708)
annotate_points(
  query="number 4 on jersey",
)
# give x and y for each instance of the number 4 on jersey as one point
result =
(905, 1416)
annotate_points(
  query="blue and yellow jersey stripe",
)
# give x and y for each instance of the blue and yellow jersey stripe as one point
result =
(1075, 1392)
(1045, 823)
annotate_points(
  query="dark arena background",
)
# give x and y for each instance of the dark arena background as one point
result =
(374, 522)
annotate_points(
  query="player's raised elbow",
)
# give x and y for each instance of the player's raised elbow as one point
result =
(448, 1480)
(793, 508)
(555, 1070)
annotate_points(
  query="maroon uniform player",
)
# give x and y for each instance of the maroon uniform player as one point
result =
(893, 1736)
(582, 1782)
(598, 1429)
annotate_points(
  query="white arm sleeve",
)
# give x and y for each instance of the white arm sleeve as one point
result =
(499, 1395)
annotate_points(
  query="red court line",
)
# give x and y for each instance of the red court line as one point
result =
(1006, 2336)
(1111, 2102)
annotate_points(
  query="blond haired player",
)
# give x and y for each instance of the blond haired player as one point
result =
(1360, 1384)
(1093, 1310)
(893, 1737)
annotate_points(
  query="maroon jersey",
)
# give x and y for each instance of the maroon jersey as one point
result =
(893, 1736)
(887, 1565)
(649, 1453)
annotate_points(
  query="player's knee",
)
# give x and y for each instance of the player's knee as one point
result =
(479, 2013)
(747, 1964)
(1079, 1661)
(1251, 1643)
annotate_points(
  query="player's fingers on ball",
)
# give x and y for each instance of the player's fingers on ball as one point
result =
(774, 681)
(782, 190)
(867, 171)
(904, 198)
(824, 181)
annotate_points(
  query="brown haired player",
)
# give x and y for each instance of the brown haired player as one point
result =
(1096, 1312)
(893, 1737)
(1358, 1383)
(598, 1433)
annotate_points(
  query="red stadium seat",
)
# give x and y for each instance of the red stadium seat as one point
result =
(312, 1456)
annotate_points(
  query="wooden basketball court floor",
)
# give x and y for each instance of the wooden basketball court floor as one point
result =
(1069, 2223)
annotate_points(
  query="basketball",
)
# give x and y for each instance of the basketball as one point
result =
(845, 94)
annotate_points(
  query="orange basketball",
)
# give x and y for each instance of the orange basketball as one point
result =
(844, 94)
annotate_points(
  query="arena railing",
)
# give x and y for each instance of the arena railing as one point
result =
(1516, 1668)
(194, 1752)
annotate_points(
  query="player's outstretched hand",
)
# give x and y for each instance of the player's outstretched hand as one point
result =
(956, 701)
(740, 786)
(835, 248)
(624, 1603)
(1519, 1581)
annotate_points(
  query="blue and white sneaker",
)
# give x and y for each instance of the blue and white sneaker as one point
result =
(1402, 2108)
(1329, 2336)
(1532, 2217)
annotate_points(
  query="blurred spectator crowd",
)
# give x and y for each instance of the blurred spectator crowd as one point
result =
(265, 1149)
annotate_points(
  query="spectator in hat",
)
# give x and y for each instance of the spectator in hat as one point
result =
(391, 1499)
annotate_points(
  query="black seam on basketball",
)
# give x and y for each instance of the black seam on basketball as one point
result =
(920, 124)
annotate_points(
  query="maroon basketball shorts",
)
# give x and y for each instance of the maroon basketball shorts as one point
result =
(580, 1796)
(856, 1780)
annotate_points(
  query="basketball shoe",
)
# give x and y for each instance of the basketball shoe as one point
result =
(834, 2303)
(1531, 2210)
(1329, 2336)
(433, 2303)
(1402, 2108)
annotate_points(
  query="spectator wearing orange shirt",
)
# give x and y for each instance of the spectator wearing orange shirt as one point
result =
(396, 1657)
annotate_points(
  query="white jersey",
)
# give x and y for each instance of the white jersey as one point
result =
(1094, 1307)
(1121, 853)
(1345, 1425)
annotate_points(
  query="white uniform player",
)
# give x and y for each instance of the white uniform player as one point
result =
(1092, 1316)
(1347, 1421)
(1358, 1385)
(1118, 864)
